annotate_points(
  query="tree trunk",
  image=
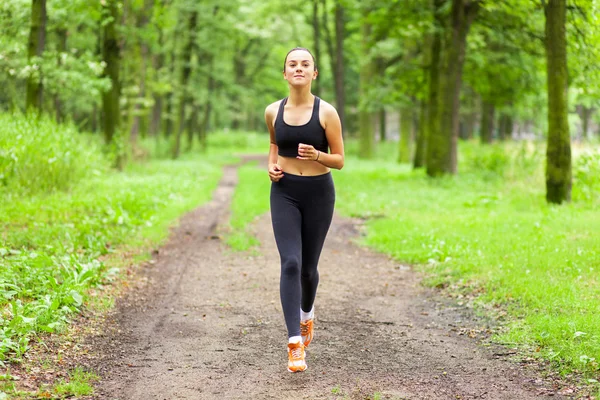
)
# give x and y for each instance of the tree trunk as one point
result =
(142, 21)
(586, 114)
(405, 142)
(184, 79)
(170, 100)
(434, 143)
(487, 122)
(62, 48)
(156, 116)
(36, 44)
(382, 125)
(316, 87)
(558, 151)
(340, 35)
(192, 125)
(419, 160)
(110, 55)
(421, 145)
(205, 125)
(444, 160)
(505, 127)
(365, 120)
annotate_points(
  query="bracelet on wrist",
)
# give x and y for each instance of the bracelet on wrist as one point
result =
(318, 155)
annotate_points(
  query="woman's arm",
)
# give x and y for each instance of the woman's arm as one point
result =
(333, 131)
(275, 172)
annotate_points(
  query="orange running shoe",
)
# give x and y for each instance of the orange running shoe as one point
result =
(296, 362)
(307, 331)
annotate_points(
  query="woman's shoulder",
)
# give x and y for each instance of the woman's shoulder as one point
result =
(271, 109)
(274, 105)
(326, 108)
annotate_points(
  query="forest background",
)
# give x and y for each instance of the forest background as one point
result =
(465, 121)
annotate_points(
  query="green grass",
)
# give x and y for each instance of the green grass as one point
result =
(489, 232)
(80, 383)
(52, 246)
(250, 199)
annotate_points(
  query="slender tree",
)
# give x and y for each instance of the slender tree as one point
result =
(110, 55)
(405, 142)
(434, 144)
(365, 116)
(36, 44)
(443, 141)
(316, 42)
(419, 158)
(558, 151)
(186, 71)
(488, 112)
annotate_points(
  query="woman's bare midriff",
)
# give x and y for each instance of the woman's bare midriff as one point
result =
(301, 167)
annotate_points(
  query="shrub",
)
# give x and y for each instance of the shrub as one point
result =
(38, 155)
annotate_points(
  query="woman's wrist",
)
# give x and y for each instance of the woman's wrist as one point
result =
(318, 155)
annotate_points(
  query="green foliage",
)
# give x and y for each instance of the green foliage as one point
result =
(53, 244)
(493, 243)
(586, 178)
(37, 155)
(512, 160)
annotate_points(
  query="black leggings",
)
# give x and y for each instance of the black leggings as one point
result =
(301, 212)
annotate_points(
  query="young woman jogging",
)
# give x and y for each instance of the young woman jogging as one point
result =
(306, 141)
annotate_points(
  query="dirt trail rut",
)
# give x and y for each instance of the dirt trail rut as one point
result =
(208, 325)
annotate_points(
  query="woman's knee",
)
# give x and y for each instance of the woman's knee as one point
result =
(310, 274)
(290, 265)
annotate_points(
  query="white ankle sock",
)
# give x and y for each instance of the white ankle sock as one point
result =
(305, 316)
(295, 339)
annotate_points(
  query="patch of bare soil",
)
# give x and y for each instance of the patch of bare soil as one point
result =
(208, 325)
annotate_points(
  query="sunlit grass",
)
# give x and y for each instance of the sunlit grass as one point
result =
(489, 231)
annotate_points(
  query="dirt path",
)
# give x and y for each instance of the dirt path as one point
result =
(208, 325)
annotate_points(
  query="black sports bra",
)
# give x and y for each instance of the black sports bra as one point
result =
(288, 137)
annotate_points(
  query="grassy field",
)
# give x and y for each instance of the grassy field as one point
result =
(490, 237)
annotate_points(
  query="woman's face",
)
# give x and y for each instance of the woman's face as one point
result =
(299, 68)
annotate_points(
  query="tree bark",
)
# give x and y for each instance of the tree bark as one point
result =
(434, 143)
(405, 142)
(316, 87)
(62, 48)
(110, 55)
(36, 44)
(365, 117)
(487, 122)
(586, 114)
(444, 143)
(156, 116)
(340, 35)
(184, 79)
(421, 140)
(205, 125)
(382, 125)
(558, 151)
(141, 23)
(419, 160)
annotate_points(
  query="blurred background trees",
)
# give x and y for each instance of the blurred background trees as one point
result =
(424, 73)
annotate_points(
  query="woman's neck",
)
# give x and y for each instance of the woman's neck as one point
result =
(299, 96)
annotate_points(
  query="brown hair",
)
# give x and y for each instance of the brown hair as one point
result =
(299, 48)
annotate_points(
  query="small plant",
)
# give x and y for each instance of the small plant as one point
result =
(337, 390)
(79, 384)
